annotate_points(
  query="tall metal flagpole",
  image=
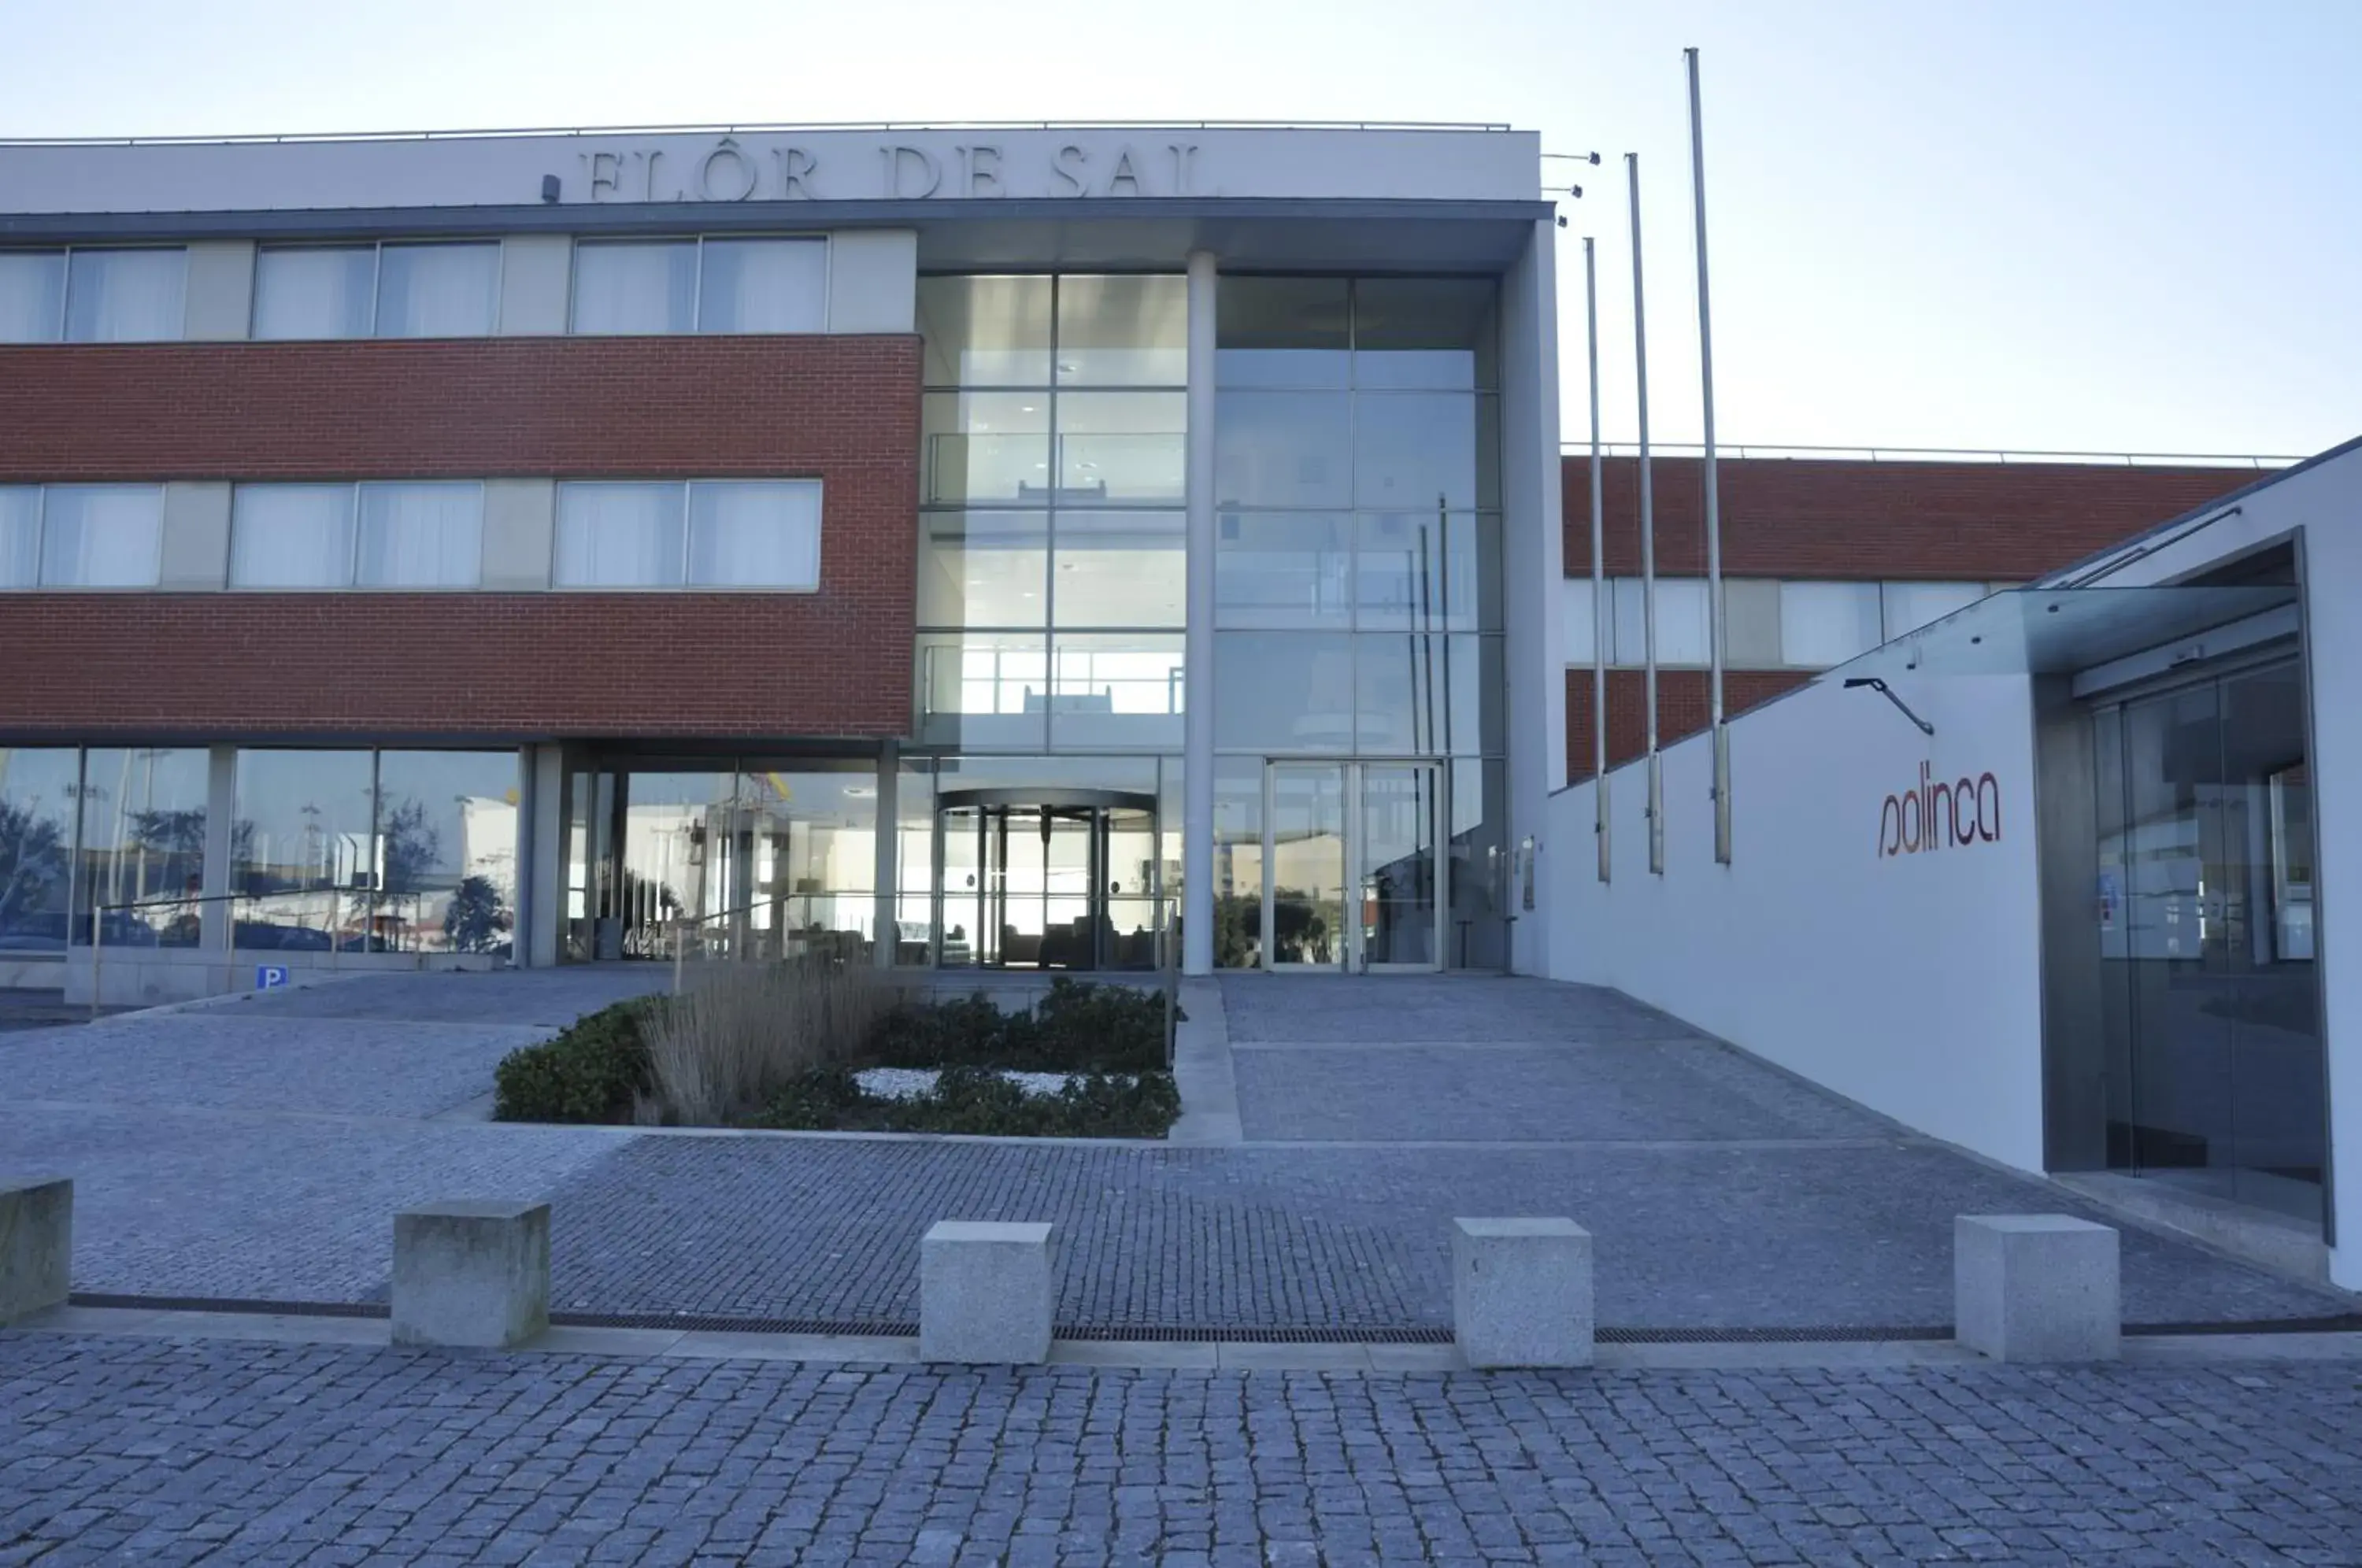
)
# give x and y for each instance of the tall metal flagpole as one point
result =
(1648, 538)
(1712, 490)
(1599, 605)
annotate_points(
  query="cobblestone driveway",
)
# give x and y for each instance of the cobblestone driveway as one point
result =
(240, 1454)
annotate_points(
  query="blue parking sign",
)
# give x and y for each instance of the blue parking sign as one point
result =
(269, 977)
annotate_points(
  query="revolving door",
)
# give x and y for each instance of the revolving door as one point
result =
(1047, 880)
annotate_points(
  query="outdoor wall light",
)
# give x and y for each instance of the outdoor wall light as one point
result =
(1881, 686)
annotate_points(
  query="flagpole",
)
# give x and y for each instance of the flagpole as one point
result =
(1656, 810)
(1713, 489)
(1599, 605)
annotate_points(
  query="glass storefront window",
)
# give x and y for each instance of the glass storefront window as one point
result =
(304, 859)
(1283, 450)
(37, 789)
(1238, 863)
(984, 569)
(984, 331)
(1123, 331)
(447, 830)
(1116, 690)
(1120, 569)
(1284, 691)
(807, 843)
(985, 448)
(1426, 332)
(1282, 332)
(1123, 447)
(143, 842)
(914, 862)
(987, 689)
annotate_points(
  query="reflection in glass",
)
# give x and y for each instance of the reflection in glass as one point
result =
(985, 448)
(1306, 919)
(1291, 449)
(1238, 863)
(1122, 568)
(991, 332)
(1116, 690)
(1281, 332)
(984, 569)
(1422, 451)
(143, 842)
(1395, 881)
(1284, 691)
(1123, 331)
(1283, 569)
(446, 852)
(37, 790)
(1426, 332)
(1123, 447)
(304, 859)
(20, 534)
(1422, 695)
(807, 846)
(1425, 571)
(1480, 866)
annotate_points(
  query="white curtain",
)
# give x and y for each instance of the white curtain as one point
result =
(32, 292)
(619, 535)
(20, 536)
(125, 297)
(421, 536)
(438, 291)
(101, 536)
(635, 288)
(314, 291)
(764, 285)
(754, 534)
(292, 535)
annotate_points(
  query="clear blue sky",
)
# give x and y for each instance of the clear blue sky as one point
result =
(2112, 225)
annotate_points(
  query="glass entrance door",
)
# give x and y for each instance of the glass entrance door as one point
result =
(1048, 885)
(1352, 870)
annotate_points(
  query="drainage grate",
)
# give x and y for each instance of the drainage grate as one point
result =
(1138, 1333)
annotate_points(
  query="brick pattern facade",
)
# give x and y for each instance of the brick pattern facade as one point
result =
(1811, 518)
(475, 664)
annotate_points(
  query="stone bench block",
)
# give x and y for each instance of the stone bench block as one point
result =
(987, 1290)
(36, 1245)
(472, 1272)
(1521, 1292)
(2035, 1288)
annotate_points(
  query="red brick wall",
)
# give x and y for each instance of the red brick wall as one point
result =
(1810, 518)
(1681, 708)
(838, 662)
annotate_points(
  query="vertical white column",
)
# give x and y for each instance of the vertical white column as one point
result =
(890, 841)
(1197, 654)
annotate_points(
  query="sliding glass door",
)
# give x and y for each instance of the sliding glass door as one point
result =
(1351, 865)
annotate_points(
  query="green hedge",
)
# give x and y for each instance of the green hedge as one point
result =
(587, 1073)
(978, 1099)
(1075, 1028)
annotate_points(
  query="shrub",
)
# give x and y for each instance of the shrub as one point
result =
(1077, 1028)
(592, 1071)
(979, 1100)
(722, 1051)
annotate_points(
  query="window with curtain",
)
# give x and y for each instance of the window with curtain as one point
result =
(32, 295)
(636, 287)
(764, 285)
(619, 535)
(310, 291)
(101, 536)
(125, 297)
(20, 536)
(290, 535)
(1910, 605)
(420, 535)
(753, 533)
(1823, 624)
(1682, 622)
(438, 291)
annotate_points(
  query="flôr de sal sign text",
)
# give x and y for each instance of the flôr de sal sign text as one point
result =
(884, 171)
(1936, 815)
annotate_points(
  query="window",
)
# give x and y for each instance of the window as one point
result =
(1910, 605)
(1682, 622)
(125, 297)
(707, 534)
(437, 291)
(427, 535)
(38, 791)
(390, 291)
(32, 295)
(675, 286)
(1825, 623)
(90, 535)
(143, 844)
(985, 332)
(316, 292)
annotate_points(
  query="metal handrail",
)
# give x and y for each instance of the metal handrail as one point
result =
(1946, 454)
(751, 128)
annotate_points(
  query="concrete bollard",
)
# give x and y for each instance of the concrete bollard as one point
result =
(36, 1245)
(1521, 1292)
(472, 1272)
(987, 1290)
(2035, 1288)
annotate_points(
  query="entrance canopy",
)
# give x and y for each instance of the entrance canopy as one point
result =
(2056, 631)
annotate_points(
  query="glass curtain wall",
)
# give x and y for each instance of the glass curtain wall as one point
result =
(1358, 601)
(37, 791)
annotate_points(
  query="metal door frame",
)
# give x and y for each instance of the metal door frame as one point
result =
(1353, 956)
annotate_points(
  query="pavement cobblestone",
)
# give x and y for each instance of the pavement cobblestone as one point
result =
(187, 1452)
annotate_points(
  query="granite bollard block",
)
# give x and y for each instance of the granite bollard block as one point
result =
(36, 1245)
(1521, 1292)
(2035, 1288)
(472, 1272)
(987, 1290)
